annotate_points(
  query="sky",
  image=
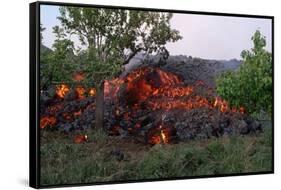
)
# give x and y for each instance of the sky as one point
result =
(204, 36)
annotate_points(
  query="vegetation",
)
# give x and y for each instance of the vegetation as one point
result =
(58, 65)
(64, 162)
(251, 85)
(110, 39)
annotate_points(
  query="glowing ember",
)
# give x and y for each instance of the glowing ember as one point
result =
(242, 110)
(62, 90)
(80, 92)
(92, 92)
(224, 107)
(159, 135)
(80, 139)
(221, 104)
(163, 136)
(47, 121)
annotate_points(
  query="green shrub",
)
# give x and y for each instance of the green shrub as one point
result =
(251, 85)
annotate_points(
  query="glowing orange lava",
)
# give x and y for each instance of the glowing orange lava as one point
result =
(78, 139)
(92, 92)
(159, 135)
(62, 90)
(80, 92)
(47, 121)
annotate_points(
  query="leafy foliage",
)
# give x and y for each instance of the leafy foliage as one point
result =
(114, 37)
(110, 38)
(251, 85)
(57, 65)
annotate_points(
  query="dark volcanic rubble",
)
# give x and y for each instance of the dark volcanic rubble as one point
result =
(151, 105)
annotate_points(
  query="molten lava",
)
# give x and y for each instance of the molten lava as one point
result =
(159, 89)
(163, 135)
(160, 135)
(221, 104)
(92, 92)
(80, 92)
(46, 121)
(143, 91)
(62, 90)
(78, 139)
(145, 82)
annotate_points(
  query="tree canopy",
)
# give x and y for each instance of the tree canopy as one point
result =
(113, 36)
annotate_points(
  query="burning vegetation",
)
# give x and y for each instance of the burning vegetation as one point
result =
(148, 102)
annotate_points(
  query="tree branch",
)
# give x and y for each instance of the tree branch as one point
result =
(132, 55)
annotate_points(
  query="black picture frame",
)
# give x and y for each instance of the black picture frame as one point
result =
(34, 91)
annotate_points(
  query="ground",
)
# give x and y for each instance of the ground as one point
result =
(104, 159)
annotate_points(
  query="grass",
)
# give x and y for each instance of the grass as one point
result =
(64, 162)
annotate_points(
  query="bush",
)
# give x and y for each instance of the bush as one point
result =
(251, 85)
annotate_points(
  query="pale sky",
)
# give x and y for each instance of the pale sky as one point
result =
(204, 36)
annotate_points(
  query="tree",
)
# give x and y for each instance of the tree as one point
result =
(112, 37)
(57, 65)
(251, 85)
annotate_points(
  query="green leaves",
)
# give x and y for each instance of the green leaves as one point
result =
(251, 85)
(57, 65)
(112, 37)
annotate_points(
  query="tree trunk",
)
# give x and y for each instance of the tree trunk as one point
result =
(99, 106)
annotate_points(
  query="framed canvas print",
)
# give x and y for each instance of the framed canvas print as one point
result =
(123, 94)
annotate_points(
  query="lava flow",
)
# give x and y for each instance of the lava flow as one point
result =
(160, 135)
(158, 89)
(47, 121)
(146, 90)
(62, 90)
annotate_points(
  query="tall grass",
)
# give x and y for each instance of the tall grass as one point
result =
(64, 162)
